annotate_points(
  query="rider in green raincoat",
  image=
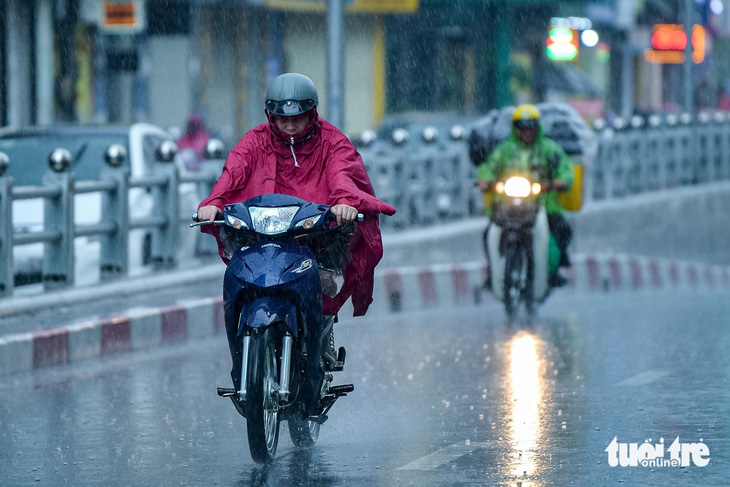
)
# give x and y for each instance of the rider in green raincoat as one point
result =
(527, 151)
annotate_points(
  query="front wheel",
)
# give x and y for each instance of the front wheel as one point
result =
(262, 418)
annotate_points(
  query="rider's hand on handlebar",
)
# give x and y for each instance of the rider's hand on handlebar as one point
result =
(485, 185)
(557, 185)
(344, 213)
(208, 213)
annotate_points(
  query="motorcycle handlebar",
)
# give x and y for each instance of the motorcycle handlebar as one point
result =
(546, 185)
(332, 218)
(198, 223)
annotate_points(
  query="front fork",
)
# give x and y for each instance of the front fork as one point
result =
(328, 394)
(244, 367)
(286, 345)
(285, 376)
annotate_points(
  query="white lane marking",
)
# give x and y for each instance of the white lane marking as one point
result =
(442, 457)
(644, 378)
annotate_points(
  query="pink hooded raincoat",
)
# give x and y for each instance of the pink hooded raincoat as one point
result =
(324, 169)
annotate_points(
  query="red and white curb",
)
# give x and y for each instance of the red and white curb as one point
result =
(137, 329)
(414, 288)
(619, 271)
(396, 290)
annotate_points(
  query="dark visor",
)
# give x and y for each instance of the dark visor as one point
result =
(288, 108)
(526, 124)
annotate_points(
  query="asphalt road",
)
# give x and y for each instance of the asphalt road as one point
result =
(442, 397)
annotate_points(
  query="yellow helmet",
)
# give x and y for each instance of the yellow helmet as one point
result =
(526, 116)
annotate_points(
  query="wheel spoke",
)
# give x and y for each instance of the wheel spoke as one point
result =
(271, 414)
(263, 415)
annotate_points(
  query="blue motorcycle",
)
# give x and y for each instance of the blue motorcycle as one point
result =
(284, 253)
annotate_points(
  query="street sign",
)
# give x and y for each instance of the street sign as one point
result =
(669, 40)
(383, 6)
(122, 16)
(368, 6)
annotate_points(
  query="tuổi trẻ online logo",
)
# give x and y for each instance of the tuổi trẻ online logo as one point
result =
(648, 454)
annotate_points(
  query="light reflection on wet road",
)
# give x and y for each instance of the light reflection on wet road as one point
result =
(441, 398)
(525, 395)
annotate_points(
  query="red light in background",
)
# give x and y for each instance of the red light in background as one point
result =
(669, 41)
(668, 37)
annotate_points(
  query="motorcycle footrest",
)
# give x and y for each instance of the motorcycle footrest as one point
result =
(226, 392)
(340, 363)
(341, 390)
(334, 393)
(319, 419)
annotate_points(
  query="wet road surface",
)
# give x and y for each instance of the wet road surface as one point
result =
(442, 397)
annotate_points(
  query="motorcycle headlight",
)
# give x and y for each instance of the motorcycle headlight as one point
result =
(308, 223)
(517, 187)
(272, 221)
(236, 223)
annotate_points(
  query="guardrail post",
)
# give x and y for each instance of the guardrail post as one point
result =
(724, 148)
(58, 217)
(713, 147)
(459, 173)
(6, 230)
(385, 174)
(399, 152)
(687, 149)
(114, 256)
(164, 237)
(595, 175)
(622, 162)
(204, 245)
(431, 183)
(703, 139)
(636, 173)
(673, 162)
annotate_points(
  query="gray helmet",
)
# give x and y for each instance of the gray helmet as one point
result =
(291, 94)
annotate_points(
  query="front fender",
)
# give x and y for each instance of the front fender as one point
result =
(266, 310)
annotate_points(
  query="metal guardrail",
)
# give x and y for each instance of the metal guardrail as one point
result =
(427, 181)
(113, 229)
(659, 154)
(433, 178)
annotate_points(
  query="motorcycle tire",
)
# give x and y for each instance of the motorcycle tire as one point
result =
(303, 432)
(512, 277)
(262, 415)
(527, 291)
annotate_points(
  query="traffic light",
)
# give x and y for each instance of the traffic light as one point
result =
(562, 44)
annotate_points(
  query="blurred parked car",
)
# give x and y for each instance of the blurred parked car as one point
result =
(562, 123)
(29, 148)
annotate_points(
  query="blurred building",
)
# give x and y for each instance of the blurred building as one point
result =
(161, 60)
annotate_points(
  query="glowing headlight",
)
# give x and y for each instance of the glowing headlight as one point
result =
(517, 187)
(308, 222)
(272, 221)
(236, 223)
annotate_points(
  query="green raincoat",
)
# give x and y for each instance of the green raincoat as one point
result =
(512, 157)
